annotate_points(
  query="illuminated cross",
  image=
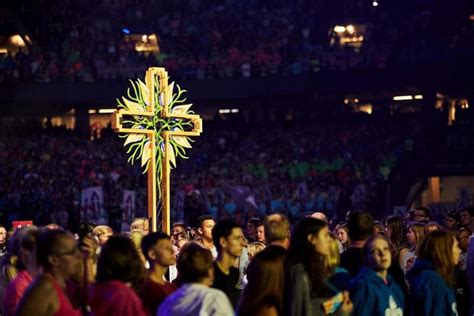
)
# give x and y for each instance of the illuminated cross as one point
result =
(158, 76)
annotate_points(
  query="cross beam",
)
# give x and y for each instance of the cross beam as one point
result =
(165, 113)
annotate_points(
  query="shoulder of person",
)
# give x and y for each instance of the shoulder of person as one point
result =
(43, 283)
(430, 280)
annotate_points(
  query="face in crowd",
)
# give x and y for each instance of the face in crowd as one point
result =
(261, 233)
(206, 229)
(378, 256)
(234, 243)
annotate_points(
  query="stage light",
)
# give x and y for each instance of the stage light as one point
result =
(17, 40)
(350, 29)
(402, 97)
(234, 111)
(106, 111)
(126, 31)
(375, 3)
(92, 111)
(339, 29)
(418, 97)
(224, 111)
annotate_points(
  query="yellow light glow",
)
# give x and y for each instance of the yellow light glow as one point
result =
(418, 97)
(353, 39)
(339, 29)
(106, 111)
(350, 29)
(356, 100)
(366, 108)
(144, 38)
(3, 50)
(402, 97)
(92, 111)
(346, 101)
(17, 40)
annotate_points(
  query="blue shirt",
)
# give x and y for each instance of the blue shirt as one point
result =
(372, 296)
(429, 293)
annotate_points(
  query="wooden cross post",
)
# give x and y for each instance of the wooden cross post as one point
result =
(151, 75)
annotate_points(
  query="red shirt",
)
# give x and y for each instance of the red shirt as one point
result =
(153, 294)
(115, 298)
(14, 292)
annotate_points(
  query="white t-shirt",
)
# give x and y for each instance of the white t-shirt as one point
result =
(196, 299)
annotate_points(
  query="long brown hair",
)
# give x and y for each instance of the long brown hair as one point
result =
(437, 247)
(301, 251)
(265, 275)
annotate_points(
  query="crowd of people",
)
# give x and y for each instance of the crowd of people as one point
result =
(330, 168)
(403, 265)
(84, 41)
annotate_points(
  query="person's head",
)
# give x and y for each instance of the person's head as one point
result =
(179, 229)
(261, 233)
(252, 225)
(277, 228)
(3, 235)
(206, 224)
(24, 247)
(102, 233)
(158, 249)
(320, 216)
(265, 275)
(140, 224)
(195, 265)
(228, 238)
(377, 253)
(452, 221)
(467, 216)
(378, 227)
(119, 261)
(441, 248)
(360, 225)
(310, 245)
(342, 233)
(422, 214)
(431, 227)
(415, 233)
(395, 230)
(57, 251)
(462, 235)
(310, 235)
(254, 248)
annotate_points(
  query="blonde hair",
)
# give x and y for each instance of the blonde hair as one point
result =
(139, 224)
(419, 231)
(254, 248)
(333, 259)
(101, 230)
(431, 227)
(136, 237)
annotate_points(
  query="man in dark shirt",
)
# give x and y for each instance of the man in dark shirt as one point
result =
(229, 241)
(361, 227)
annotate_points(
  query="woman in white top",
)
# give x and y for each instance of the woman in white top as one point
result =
(195, 296)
